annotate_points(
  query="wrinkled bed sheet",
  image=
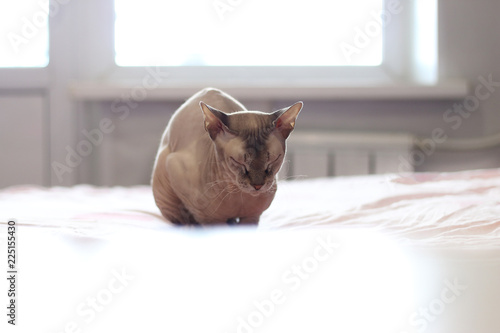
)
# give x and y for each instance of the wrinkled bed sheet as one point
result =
(382, 254)
(461, 208)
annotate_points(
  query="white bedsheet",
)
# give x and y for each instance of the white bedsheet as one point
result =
(461, 208)
(450, 209)
(357, 254)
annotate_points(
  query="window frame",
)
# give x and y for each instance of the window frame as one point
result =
(397, 64)
(95, 58)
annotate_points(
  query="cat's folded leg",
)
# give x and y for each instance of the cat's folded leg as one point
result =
(169, 193)
(173, 209)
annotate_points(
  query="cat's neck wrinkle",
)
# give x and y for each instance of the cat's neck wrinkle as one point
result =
(213, 170)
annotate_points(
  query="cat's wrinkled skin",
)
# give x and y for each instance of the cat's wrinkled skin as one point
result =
(217, 162)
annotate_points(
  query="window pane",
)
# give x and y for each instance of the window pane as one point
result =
(24, 33)
(248, 33)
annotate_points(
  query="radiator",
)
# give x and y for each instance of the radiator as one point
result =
(323, 154)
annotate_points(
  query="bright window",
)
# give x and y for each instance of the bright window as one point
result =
(248, 33)
(24, 33)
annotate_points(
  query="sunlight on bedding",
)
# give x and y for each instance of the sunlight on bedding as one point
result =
(232, 281)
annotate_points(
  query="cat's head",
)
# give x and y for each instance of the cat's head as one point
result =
(250, 145)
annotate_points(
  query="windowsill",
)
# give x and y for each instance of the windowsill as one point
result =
(450, 90)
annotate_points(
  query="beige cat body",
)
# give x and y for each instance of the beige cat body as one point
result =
(217, 162)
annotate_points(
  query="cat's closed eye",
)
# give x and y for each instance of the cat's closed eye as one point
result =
(241, 165)
(270, 166)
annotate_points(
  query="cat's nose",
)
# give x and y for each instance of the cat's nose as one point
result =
(257, 187)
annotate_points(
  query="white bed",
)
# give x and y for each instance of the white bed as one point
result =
(385, 253)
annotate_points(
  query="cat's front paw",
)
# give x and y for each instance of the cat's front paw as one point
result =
(233, 221)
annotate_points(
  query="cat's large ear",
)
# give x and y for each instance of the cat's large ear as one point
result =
(216, 121)
(285, 119)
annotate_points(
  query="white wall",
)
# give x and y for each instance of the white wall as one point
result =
(469, 47)
(23, 122)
